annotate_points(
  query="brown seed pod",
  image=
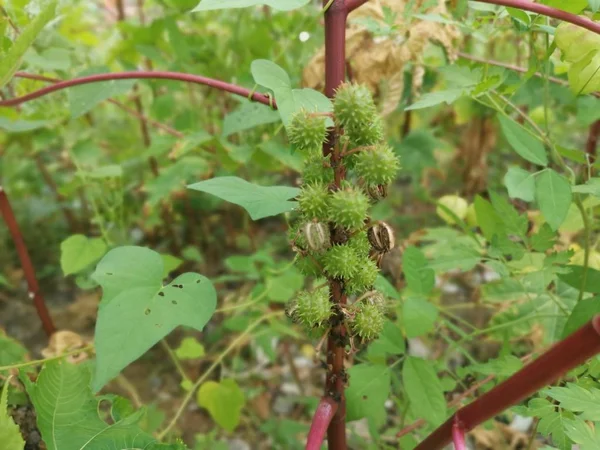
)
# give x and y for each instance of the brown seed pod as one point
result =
(317, 236)
(381, 236)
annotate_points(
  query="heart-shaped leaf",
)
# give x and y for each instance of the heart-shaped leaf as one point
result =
(77, 252)
(137, 311)
(224, 401)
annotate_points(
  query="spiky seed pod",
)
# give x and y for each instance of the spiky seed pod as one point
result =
(312, 308)
(364, 278)
(353, 106)
(348, 208)
(368, 320)
(360, 243)
(316, 235)
(377, 166)
(341, 261)
(308, 265)
(381, 236)
(314, 201)
(315, 169)
(367, 133)
(307, 131)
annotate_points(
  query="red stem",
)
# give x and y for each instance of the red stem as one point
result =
(458, 435)
(34, 289)
(592, 141)
(351, 5)
(562, 357)
(335, 74)
(166, 128)
(323, 415)
(544, 10)
(162, 75)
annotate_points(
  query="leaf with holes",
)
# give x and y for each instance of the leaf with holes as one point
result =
(367, 393)
(283, 5)
(424, 390)
(78, 252)
(137, 311)
(259, 201)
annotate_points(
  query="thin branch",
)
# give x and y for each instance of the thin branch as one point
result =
(538, 8)
(155, 75)
(28, 269)
(592, 142)
(514, 68)
(544, 370)
(351, 5)
(321, 420)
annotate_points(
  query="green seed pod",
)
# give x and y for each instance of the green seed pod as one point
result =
(312, 308)
(314, 201)
(316, 235)
(348, 208)
(315, 169)
(360, 243)
(368, 320)
(307, 131)
(377, 166)
(341, 261)
(308, 265)
(364, 278)
(368, 133)
(353, 106)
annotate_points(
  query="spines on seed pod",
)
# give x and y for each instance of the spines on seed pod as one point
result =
(307, 131)
(348, 208)
(314, 201)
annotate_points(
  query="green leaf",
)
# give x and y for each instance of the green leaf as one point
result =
(247, 116)
(67, 412)
(583, 312)
(577, 399)
(594, 5)
(11, 61)
(283, 287)
(424, 390)
(514, 223)
(85, 97)
(504, 366)
(289, 101)
(418, 316)
(520, 184)
(137, 311)
(419, 278)
(22, 126)
(369, 389)
(553, 195)
(430, 99)
(487, 219)
(544, 239)
(78, 252)
(581, 433)
(224, 401)
(283, 5)
(580, 48)
(10, 435)
(572, 6)
(592, 187)
(190, 348)
(523, 143)
(259, 201)
(389, 342)
(11, 350)
(575, 278)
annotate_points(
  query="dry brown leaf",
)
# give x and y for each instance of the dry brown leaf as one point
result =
(378, 62)
(64, 341)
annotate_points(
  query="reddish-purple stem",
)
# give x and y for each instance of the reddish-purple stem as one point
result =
(323, 415)
(34, 289)
(458, 435)
(160, 75)
(351, 5)
(544, 10)
(562, 357)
